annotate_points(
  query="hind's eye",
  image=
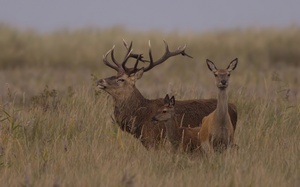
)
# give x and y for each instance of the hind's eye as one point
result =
(228, 75)
(121, 80)
(164, 111)
(215, 75)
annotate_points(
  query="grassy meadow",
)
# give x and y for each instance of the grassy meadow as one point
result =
(56, 127)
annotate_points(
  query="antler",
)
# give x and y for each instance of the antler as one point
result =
(166, 55)
(121, 67)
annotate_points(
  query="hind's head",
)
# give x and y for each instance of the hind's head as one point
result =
(222, 75)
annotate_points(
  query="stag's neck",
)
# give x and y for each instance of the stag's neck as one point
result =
(134, 99)
(222, 107)
(132, 108)
(130, 111)
(173, 130)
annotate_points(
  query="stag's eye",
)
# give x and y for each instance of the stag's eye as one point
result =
(228, 75)
(215, 75)
(164, 111)
(121, 80)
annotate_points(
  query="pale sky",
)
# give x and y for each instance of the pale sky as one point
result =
(165, 15)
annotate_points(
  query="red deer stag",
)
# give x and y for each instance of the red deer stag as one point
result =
(217, 130)
(133, 112)
(186, 136)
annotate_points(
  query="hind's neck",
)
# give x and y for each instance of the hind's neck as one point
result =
(222, 106)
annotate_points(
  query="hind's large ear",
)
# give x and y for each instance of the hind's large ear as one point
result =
(232, 65)
(211, 65)
(167, 99)
(172, 101)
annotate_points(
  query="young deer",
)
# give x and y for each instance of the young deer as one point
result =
(133, 112)
(188, 137)
(217, 130)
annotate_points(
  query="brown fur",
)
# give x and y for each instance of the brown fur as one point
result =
(186, 136)
(133, 113)
(217, 130)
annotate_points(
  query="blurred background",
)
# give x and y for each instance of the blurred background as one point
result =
(204, 15)
(59, 44)
(56, 128)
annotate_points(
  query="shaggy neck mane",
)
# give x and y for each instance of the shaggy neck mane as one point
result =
(135, 98)
(130, 111)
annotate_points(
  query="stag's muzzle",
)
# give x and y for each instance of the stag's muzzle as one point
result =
(101, 84)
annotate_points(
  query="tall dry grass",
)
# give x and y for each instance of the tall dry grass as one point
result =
(56, 129)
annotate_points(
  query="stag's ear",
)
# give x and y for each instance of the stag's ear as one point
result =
(172, 101)
(232, 65)
(167, 99)
(139, 74)
(211, 65)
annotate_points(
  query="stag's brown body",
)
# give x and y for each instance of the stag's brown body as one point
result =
(133, 112)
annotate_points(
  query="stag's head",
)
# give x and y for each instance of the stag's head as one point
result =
(166, 111)
(124, 81)
(123, 84)
(222, 75)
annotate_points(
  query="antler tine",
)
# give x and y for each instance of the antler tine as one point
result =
(180, 50)
(136, 63)
(135, 67)
(167, 47)
(126, 57)
(129, 50)
(150, 54)
(134, 55)
(129, 54)
(126, 45)
(166, 55)
(113, 57)
(183, 53)
(106, 62)
(121, 67)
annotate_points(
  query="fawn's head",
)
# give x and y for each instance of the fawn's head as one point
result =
(222, 75)
(123, 83)
(166, 111)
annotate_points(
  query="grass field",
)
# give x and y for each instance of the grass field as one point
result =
(56, 128)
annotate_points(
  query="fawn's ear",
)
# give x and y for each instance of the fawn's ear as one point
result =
(172, 101)
(167, 99)
(232, 65)
(211, 65)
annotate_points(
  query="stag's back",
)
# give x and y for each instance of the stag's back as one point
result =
(191, 112)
